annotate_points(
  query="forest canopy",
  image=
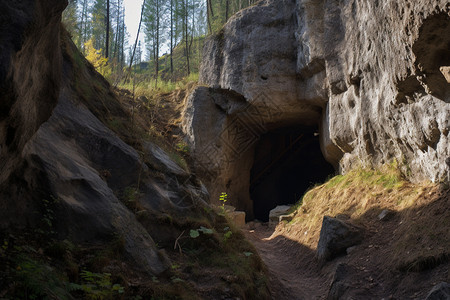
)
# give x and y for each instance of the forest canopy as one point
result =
(173, 30)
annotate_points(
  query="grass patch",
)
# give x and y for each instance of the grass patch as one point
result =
(420, 239)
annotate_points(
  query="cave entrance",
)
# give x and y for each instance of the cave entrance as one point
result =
(287, 162)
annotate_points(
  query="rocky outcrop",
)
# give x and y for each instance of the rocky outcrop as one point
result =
(26, 101)
(55, 150)
(370, 76)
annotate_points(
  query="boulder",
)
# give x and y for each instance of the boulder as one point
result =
(69, 150)
(277, 212)
(440, 291)
(238, 218)
(162, 161)
(335, 237)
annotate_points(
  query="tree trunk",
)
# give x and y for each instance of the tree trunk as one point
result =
(107, 30)
(227, 7)
(84, 25)
(171, 39)
(208, 16)
(116, 43)
(186, 36)
(157, 43)
(136, 42)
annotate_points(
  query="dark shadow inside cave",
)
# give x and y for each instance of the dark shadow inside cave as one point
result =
(287, 162)
(432, 51)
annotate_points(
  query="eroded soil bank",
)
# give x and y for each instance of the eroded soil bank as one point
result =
(403, 254)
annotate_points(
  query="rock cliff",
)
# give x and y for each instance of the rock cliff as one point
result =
(369, 78)
(62, 167)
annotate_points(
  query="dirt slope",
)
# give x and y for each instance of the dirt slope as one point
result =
(401, 257)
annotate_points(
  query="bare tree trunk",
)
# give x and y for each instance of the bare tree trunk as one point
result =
(107, 30)
(84, 25)
(186, 36)
(136, 42)
(227, 7)
(211, 8)
(116, 43)
(171, 39)
(157, 43)
(208, 16)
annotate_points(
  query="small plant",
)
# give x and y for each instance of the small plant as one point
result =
(37, 280)
(223, 198)
(195, 233)
(227, 236)
(176, 279)
(182, 147)
(48, 215)
(98, 286)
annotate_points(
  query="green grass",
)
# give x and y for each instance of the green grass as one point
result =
(148, 87)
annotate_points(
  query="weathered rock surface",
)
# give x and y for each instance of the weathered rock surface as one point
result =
(335, 237)
(221, 143)
(440, 291)
(369, 75)
(279, 213)
(238, 218)
(69, 150)
(53, 145)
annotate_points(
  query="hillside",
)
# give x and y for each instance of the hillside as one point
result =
(91, 204)
(403, 253)
(179, 62)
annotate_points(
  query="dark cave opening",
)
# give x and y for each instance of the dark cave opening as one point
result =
(287, 162)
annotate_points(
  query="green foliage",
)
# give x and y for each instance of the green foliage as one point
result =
(37, 280)
(195, 233)
(182, 147)
(98, 286)
(146, 86)
(47, 217)
(227, 235)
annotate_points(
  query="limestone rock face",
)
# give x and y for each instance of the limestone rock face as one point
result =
(255, 56)
(371, 76)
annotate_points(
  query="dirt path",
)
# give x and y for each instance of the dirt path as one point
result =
(292, 275)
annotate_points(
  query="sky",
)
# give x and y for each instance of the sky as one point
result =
(132, 16)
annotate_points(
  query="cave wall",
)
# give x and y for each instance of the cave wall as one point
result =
(369, 74)
(386, 96)
(373, 68)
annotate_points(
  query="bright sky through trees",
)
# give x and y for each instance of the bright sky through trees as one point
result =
(132, 15)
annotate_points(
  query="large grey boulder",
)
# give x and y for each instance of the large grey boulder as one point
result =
(440, 291)
(335, 237)
(278, 213)
(70, 150)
